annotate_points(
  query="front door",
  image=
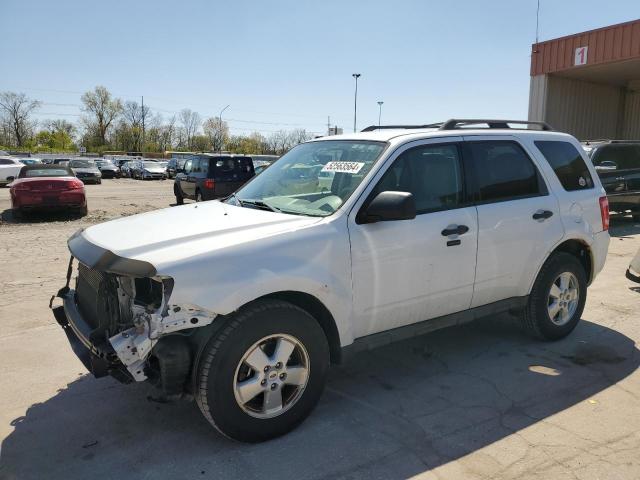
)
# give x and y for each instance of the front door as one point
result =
(413, 270)
(187, 178)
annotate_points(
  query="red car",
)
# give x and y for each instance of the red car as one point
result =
(46, 187)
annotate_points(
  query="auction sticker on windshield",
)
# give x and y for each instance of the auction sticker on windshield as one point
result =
(343, 167)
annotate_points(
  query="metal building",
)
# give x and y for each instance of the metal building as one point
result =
(588, 84)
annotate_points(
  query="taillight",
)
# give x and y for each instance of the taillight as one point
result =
(209, 183)
(75, 185)
(604, 212)
(22, 187)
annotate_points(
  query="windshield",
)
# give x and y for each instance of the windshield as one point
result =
(314, 178)
(150, 165)
(46, 172)
(81, 164)
(105, 163)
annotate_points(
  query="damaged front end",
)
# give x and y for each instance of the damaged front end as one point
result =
(124, 324)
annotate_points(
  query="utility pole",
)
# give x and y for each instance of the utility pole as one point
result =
(221, 132)
(143, 115)
(328, 125)
(355, 102)
(380, 102)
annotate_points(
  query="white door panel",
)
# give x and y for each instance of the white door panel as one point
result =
(404, 272)
(510, 246)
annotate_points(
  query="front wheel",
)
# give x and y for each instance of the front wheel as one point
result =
(557, 298)
(263, 374)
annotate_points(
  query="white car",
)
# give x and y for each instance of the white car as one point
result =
(9, 169)
(244, 303)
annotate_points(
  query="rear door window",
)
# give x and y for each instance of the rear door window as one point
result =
(618, 156)
(6, 162)
(231, 169)
(503, 171)
(567, 163)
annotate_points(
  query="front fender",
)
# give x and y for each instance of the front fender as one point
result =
(317, 262)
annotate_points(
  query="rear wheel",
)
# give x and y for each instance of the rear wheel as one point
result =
(557, 299)
(263, 374)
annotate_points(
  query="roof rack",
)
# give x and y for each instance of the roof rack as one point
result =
(456, 123)
(372, 128)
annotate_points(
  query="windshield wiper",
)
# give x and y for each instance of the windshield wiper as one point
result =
(259, 204)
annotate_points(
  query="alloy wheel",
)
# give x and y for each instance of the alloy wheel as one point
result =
(564, 296)
(271, 376)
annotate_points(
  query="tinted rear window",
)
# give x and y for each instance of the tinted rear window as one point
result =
(6, 162)
(567, 163)
(503, 171)
(624, 156)
(230, 168)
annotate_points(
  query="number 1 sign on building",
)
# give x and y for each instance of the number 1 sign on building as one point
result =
(581, 56)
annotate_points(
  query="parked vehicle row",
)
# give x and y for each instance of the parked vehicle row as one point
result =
(243, 304)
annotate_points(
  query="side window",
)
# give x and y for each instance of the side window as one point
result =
(187, 166)
(503, 171)
(618, 156)
(431, 173)
(567, 163)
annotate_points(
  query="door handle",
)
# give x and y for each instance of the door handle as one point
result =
(542, 214)
(457, 230)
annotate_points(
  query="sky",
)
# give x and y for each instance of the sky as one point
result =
(286, 64)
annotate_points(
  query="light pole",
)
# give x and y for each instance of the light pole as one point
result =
(355, 101)
(380, 102)
(221, 132)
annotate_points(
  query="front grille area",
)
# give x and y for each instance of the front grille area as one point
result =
(97, 299)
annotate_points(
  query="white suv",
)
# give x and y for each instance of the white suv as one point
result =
(343, 244)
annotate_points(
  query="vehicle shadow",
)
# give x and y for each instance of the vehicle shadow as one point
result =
(390, 413)
(622, 226)
(9, 216)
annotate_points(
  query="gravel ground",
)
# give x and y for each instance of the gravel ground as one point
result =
(477, 401)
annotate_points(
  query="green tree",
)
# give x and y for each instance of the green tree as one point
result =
(101, 110)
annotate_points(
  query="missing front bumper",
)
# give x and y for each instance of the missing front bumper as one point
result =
(99, 360)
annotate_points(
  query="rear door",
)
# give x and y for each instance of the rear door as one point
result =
(231, 173)
(518, 218)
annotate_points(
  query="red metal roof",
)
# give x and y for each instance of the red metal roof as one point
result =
(609, 44)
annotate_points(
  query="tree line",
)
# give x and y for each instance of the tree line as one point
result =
(108, 123)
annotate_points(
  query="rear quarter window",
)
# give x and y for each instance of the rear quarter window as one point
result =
(567, 163)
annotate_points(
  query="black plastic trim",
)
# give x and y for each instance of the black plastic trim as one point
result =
(427, 326)
(100, 258)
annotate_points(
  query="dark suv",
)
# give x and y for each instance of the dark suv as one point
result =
(618, 165)
(208, 176)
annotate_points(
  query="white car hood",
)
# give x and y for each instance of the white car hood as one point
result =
(165, 237)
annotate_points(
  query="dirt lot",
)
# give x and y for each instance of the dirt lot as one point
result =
(479, 401)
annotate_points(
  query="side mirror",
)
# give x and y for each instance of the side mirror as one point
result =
(388, 206)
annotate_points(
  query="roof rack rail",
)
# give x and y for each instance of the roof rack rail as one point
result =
(455, 123)
(372, 128)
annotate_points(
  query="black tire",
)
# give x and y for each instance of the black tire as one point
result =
(99, 182)
(199, 196)
(178, 194)
(636, 216)
(84, 211)
(220, 360)
(535, 318)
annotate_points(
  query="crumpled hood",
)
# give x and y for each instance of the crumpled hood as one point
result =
(164, 237)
